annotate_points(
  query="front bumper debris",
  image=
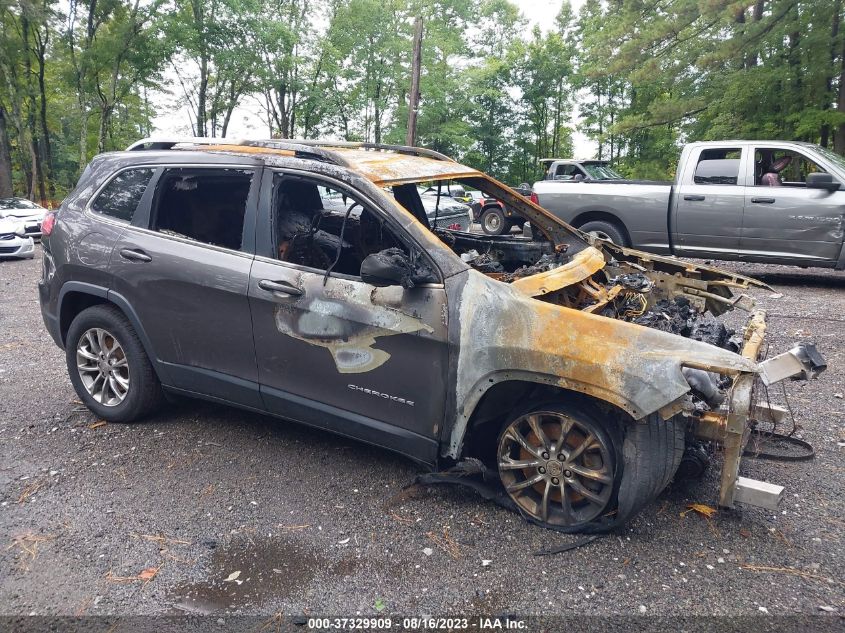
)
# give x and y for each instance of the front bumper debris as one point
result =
(730, 425)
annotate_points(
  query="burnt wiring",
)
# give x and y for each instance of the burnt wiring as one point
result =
(629, 311)
(761, 438)
(340, 247)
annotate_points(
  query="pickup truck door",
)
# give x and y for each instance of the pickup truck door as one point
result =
(708, 203)
(790, 222)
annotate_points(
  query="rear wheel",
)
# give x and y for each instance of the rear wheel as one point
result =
(493, 221)
(605, 231)
(108, 366)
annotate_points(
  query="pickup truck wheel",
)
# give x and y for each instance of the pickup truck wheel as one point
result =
(561, 466)
(108, 366)
(493, 221)
(605, 231)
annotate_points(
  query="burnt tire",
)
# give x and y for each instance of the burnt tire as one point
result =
(652, 449)
(599, 470)
(493, 221)
(96, 336)
(606, 231)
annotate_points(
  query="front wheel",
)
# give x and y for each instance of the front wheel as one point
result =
(108, 366)
(560, 466)
(493, 221)
(571, 468)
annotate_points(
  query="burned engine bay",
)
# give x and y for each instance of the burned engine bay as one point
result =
(649, 290)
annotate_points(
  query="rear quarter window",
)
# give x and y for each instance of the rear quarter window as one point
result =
(119, 199)
(718, 167)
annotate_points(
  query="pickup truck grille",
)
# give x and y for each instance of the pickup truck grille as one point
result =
(461, 220)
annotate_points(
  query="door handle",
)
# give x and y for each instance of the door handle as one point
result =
(694, 198)
(763, 200)
(135, 255)
(279, 286)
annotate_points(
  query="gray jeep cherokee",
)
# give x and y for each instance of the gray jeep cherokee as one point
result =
(305, 280)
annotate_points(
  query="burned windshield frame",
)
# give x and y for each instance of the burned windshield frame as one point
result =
(552, 228)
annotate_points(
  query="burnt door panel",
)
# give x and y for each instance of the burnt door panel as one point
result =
(378, 354)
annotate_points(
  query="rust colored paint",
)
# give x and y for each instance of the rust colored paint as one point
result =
(391, 168)
(583, 264)
(507, 335)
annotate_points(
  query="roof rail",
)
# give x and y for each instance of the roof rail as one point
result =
(301, 151)
(304, 148)
(400, 149)
(169, 142)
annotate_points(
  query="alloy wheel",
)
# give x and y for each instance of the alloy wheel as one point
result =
(557, 468)
(103, 367)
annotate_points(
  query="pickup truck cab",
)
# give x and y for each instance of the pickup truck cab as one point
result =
(759, 201)
(567, 169)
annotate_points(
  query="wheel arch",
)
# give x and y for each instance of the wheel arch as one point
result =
(497, 396)
(602, 216)
(78, 296)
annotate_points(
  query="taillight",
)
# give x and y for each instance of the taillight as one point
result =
(534, 198)
(47, 224)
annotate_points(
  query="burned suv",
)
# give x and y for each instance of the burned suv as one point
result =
(305, 280)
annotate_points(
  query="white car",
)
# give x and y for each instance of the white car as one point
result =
(26, 211)
(14, 242)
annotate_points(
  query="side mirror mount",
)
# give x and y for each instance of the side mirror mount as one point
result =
(820, 180)
(392, 267)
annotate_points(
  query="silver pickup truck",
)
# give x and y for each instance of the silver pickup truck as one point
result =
(761, 201)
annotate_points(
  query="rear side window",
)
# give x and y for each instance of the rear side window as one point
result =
(204, 205)
(718, 167)
(120, 198)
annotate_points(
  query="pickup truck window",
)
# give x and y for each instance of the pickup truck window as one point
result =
(833, 157)
(782, 167)
(567, 172)
(718, 167)
(602, 172)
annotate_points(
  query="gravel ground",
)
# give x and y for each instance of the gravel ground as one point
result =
(234, 512)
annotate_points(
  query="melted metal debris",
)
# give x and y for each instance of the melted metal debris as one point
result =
(679, 317)
(482, 263)
(545, 263)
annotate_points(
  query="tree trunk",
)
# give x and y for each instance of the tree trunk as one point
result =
(37, 188)
(834, 35)
(756, 16)
(202, 96)
(105, 118)
(45, 133)
(839, 135)
(5, 158)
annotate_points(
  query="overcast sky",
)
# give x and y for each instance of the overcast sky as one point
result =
(247, 121)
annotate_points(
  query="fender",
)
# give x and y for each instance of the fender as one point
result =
(505, 334)
(118, 300)
(121, 302)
